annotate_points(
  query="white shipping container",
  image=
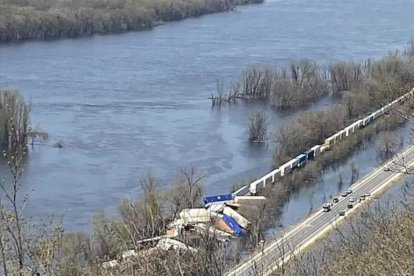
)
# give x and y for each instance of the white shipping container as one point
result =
(241, 191)
(256, 186)
(110, 264)
(242, 221)
(167, 244)
(217, 207)
(377, 114)
(285, 169)
(253, 188)
(324, 148)
(316, 150)
(330, 141)
(195, 215)
(357, 124)
(294, 163)
(220, 235)
(129, 254)
(250, 200)
(275, 174)
(341, 135)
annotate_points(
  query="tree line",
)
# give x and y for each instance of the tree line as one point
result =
(49, 19)
(388, 78)
(305, 81)
(300, 83)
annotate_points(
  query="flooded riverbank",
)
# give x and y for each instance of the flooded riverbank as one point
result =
(310, 199)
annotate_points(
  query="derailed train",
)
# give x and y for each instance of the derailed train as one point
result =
(317, 150)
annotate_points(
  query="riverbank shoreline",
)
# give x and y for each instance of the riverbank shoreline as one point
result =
(56, 21)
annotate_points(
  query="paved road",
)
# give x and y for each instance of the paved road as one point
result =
(317, 224)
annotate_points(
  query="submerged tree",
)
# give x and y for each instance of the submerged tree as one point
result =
(387, 146)
(15, 129)
(258, 126)
(14, 121)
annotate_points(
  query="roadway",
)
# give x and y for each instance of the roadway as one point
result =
(278, 252)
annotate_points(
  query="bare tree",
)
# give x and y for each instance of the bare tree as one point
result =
(258, 126)
(14, 121)
(387, 146)
(11, 211)
(141, 220)
(187, 192)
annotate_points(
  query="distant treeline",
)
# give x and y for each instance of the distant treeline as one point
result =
(48, 19)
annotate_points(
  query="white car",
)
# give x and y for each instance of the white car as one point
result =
(351, 199)
(327, 206)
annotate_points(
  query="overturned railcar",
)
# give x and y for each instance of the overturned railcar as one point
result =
(216, 198)
(237, 230)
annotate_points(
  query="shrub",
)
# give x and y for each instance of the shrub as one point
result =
(14, 121)
(258, 124)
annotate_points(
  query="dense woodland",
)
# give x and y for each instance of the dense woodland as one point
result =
(48, 19)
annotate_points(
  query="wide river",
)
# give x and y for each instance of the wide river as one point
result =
(131, 103)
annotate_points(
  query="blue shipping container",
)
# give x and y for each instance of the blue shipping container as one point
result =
(238, 231)
(310, 154)
(302, 159)
(216, 198)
